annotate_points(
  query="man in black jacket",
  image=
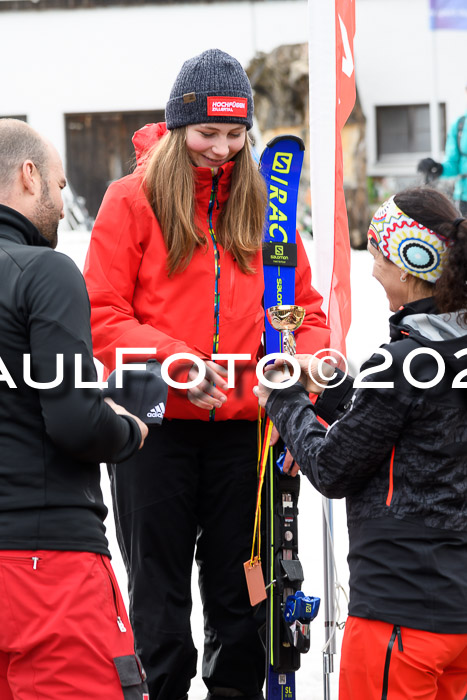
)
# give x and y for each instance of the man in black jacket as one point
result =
(64, 632)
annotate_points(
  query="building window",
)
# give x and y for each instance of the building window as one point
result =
(403, 129)
(22, 117)
(99, 150)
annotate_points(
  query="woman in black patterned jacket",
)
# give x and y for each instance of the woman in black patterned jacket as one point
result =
(398, 454)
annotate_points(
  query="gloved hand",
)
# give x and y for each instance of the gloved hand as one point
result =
(430, 168)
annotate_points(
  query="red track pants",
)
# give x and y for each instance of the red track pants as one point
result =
(64, 631)
(381, 661)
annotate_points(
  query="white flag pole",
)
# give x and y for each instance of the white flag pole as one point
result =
(322, 106)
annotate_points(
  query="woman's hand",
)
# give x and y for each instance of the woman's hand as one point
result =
(121, 411)
(315, 373)
(206, 395)
(262, 393)
(273, 373)
(311, 376)
(289, 466)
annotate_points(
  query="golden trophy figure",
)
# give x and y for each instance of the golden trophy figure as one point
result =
(286, 318)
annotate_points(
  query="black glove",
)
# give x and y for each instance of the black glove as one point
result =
(430, 168)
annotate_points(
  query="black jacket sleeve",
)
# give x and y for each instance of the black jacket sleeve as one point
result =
(339, 461)
(53, 298)
(336, 398)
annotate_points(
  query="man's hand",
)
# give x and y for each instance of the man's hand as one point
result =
(121, 411)
(206, 395)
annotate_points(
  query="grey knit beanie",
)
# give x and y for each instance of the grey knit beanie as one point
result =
(211, 87)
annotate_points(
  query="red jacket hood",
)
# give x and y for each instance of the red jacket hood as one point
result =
(145, 138)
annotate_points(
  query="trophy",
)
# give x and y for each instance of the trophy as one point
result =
(286, 318)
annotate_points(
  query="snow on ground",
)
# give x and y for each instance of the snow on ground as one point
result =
(369, 330)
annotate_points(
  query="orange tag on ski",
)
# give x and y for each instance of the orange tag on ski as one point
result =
(255, 581)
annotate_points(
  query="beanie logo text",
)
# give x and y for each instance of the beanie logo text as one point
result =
(227, 106)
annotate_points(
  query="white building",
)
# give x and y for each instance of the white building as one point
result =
(402, 67)
(88, 73)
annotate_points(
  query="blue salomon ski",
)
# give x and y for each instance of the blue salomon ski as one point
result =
(289, 612)
(280, 165)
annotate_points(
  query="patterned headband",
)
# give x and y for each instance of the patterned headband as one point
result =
(409, 245)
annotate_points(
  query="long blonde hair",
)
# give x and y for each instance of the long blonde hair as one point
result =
(169, 183)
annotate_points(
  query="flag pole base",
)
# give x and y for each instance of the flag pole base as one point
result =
(328, 668)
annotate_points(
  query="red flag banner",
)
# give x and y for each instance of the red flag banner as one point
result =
(332, 96)
(345, 73)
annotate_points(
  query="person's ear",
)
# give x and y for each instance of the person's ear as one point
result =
(30, 177)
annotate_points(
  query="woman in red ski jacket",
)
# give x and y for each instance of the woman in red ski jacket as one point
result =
(175, 266)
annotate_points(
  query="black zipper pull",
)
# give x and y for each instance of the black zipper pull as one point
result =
(399, 638)
(213, 198)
